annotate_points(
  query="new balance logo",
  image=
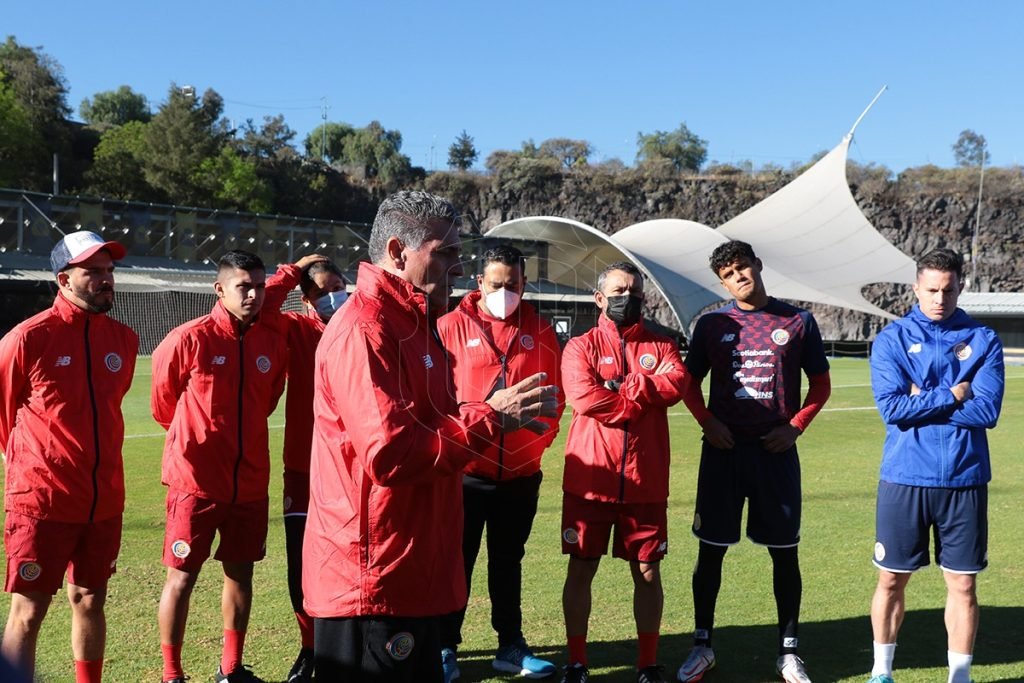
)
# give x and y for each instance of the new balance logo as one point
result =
(62, 362)
(471, 343)
(914, 348)
(428, 362)
(728, 337)
(607, 360)
(218, 360)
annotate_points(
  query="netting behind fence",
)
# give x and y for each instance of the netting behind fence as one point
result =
(152, 314)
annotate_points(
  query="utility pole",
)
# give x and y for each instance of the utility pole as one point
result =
(323, 129)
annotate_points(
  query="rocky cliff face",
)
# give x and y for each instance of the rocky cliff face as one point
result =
(917, 212)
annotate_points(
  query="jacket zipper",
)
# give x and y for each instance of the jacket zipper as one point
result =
(503, 358)
(625, 432)
(241, 384)
(95, 425)
(501, 435)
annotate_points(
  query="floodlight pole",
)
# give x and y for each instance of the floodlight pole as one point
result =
(865, 112)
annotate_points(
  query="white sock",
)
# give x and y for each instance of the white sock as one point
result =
(884, 653)
(959, 667)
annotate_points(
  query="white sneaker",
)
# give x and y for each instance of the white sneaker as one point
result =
(698, 662)
(792, 670)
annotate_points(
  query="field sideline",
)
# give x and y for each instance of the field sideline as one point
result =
(840, 455)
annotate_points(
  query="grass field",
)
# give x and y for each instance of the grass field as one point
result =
(840, 455)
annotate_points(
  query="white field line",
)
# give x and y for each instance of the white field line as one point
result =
(153, 435)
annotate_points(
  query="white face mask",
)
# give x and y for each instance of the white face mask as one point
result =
(328, 303)
(502, 303)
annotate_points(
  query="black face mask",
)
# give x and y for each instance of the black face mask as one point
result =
(624, 310)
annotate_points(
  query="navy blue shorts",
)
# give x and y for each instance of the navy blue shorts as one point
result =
(958, 519)
(747, 472)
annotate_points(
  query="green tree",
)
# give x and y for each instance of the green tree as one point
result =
(182, 134)
(569, 153)
(37, 83)
(19, 142)
(331, 134)
(115, 107)
(681, 148)
(233, 182)
(462, 154)
(270, 142)
(378, 151)
(117, 169)
(971, 149)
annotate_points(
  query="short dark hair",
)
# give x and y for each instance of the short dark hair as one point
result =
(406, 215)
(624, 266)
(505, 254)
(240, 260)
(306, 283)
(944, 260)
(729, 253)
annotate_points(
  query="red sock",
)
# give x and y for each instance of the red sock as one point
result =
(578, 650)
(89, 672)
(305, 629)
(648, 646)
(231, 657)
(172, 662)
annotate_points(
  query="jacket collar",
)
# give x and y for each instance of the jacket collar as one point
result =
(223, 319)
(470, 305)
(605, 324)
(375, 282)
(70, 312)
(958, 318)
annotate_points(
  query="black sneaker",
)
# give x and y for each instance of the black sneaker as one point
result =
(242, 674)
(650, 674)
(182, 679)
(576, 673)
(302, 669)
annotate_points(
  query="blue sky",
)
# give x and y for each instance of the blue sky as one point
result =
(765, 81)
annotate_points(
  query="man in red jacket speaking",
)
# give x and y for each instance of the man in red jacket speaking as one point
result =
(63, 374)
(216, 380)
(382, 558)
(495, 339)
(620, 380)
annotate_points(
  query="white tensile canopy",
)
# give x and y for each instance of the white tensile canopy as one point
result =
(815, 243)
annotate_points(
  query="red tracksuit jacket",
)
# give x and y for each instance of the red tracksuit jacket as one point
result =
(618, 449)
(63, 374)
(302, 332)
(384, 531)
(487, 353)
(213, 390)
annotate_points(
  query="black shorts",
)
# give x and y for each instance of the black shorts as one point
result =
(905, 515)
(372, 649)
(770, 481)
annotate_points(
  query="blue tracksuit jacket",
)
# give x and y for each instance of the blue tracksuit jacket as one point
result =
(930, 439)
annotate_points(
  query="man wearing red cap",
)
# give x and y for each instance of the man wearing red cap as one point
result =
(63, 375)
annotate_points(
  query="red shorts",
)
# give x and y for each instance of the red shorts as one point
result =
(39, 551)
(192, 522)
(641, 529)
(296, 493)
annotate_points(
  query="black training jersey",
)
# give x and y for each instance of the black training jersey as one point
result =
(755, 359)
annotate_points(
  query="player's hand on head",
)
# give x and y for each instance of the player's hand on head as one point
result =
(309, 259)
(519, 405)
